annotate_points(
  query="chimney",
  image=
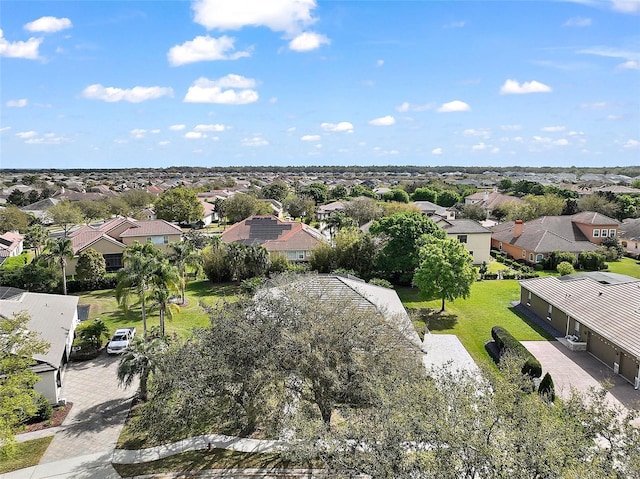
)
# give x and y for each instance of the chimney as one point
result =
(517, 229)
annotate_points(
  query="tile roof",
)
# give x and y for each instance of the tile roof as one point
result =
(490, 200)
(150, 228)
(630, 229)
(611, 310)
(462, 226)
(593, 218)
(9, 241)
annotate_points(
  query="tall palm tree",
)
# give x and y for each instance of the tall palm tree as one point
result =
(140, 359)
(165, 283)
(140, 263)
(60, 250)
(183, 256)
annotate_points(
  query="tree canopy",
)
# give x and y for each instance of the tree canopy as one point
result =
(179, 204)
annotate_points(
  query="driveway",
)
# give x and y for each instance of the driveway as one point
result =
(99, 409)
(579, 370)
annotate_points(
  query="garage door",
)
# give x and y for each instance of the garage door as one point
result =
(601, 350)
(628, 367)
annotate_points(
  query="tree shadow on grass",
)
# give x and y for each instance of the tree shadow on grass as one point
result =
(435, 320)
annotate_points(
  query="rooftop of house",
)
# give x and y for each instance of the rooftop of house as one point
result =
(492, 199)
(630, 229)
(273, 233)
(611, 310)
(151, 228)
(52, 316)
(462, 226)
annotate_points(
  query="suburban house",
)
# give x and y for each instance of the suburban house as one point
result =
(430, 209)
(113, 236)
(323, 212)
(55, 318)
(534, 240)
(209, 212)
(475, 237)
(629, 234)
(293, 239)
(11, 244)
(39, 209)
(598, 312)
(489, 200)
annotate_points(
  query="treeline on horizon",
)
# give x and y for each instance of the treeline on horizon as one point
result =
(631, 171)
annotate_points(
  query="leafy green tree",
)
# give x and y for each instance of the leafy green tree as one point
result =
(505, 185)
(299, 206)
(17, 198)
(137, 199)
(165, 283)
(140, 263)
(36, 238)
(363, 210)
(402, 236)
(118, 206)
(91, 266)
(13, 219)
(94, 209)
(396, 194)
(179, 204)
(565, 268)
(338, 192)
(32, 197)
(338, 221)
(599, 204)
(570, 207)
(241, 206)
(278, 190)
(635, 184)
(215, 265)
(93, 332)
(351, 251)
(60, 250)
(448, 198)
(360, 190)
(140, 360)
(546, 205)
(256, 261)
(18, 344)
(394, 207)
(66, 215)
(591, 260)
(446, 270)
(183, 255)
(473, 212)
(424, 194)
(317, 191)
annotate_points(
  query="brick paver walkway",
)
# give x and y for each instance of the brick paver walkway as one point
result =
(99, 410)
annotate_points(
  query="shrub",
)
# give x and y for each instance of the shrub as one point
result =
(251, 285)
(381, 282)
(109, 281)
(590, 260)
(547, 389)
(507, 343)
(565, 268)
(44, 409)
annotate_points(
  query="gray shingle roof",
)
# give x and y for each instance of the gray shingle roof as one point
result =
(630, 229)
(462, 226)
(611, 310)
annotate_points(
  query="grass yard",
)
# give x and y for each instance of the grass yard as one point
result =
(627, 266)
(471, 319)
(27, 454)
(103, 305)
(195, 461)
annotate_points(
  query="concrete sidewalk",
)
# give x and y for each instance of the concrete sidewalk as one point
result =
(92, 466)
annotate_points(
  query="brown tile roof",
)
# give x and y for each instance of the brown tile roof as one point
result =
(593, 218)
(151, 228)
(611, 310)
(489, 201)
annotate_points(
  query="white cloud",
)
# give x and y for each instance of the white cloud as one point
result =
(290, 16)
(155, 131)
(204, 90)
(629, 65)
(511, 127)
(27, 50)
(626, 6)
(561, 142)
(205, 48)
(553, 129)
(480, 146)
(47, 139)
(599, 105)
(541, 139)
(338, 127)
(380, 63)
(5, 128)
(193, 135)
(578, 22)
(310, 138)
(21, 103)
(631, 144)
(27, 134)
(164, 143)
(254, 141)
(48, 25)
(383, 121)
(177, 127)
(308, 41)
(133, 95)
(458, 24)
(406, 106)
(436, 151)
(455, 105)
(512, 87)
(137, 133)
(484, 132)
(495, 150)
(215, 127)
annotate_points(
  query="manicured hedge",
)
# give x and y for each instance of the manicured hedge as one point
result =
(109, 281)
(506, 342)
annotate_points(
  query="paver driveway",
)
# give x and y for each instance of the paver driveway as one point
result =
(580, 370)
(99, 410)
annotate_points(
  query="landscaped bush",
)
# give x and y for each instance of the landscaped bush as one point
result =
(506, 342)
(552, 261)
(109, 281)
(381, 282)
(547, 389)
(565, 268)
(592, 261)
(44, 412)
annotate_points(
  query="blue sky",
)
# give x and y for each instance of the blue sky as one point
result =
(111, 84)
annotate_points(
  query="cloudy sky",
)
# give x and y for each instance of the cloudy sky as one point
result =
(298, 82)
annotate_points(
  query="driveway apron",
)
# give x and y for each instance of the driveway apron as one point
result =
(99, 410)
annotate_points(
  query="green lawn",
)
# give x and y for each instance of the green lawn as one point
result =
(103, 305)
(626, 266)
(27, 454)
(472, 319)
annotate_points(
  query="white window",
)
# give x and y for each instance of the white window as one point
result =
(612, 233)
(596, 233)
(530, 256)
(549, 311)
(604, 233)
(500, 246)
(528, 298)
(158, 239)
(524, 254)
(539, 258)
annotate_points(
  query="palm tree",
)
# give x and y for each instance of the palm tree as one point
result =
(165, 282)
(183, 256)
(60, 250)
(141, 261)
(140, 359)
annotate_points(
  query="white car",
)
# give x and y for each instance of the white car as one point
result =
(120, 340)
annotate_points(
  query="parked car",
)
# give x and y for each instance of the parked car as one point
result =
(120, 340)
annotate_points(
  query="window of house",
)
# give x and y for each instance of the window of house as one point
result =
(528, 298)
(539, 258)
(500, 246)
(612, 233)
(549, 311)
(596, 233)
(530, 256)
(462, 238)
(524, 254)
(604, 233)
